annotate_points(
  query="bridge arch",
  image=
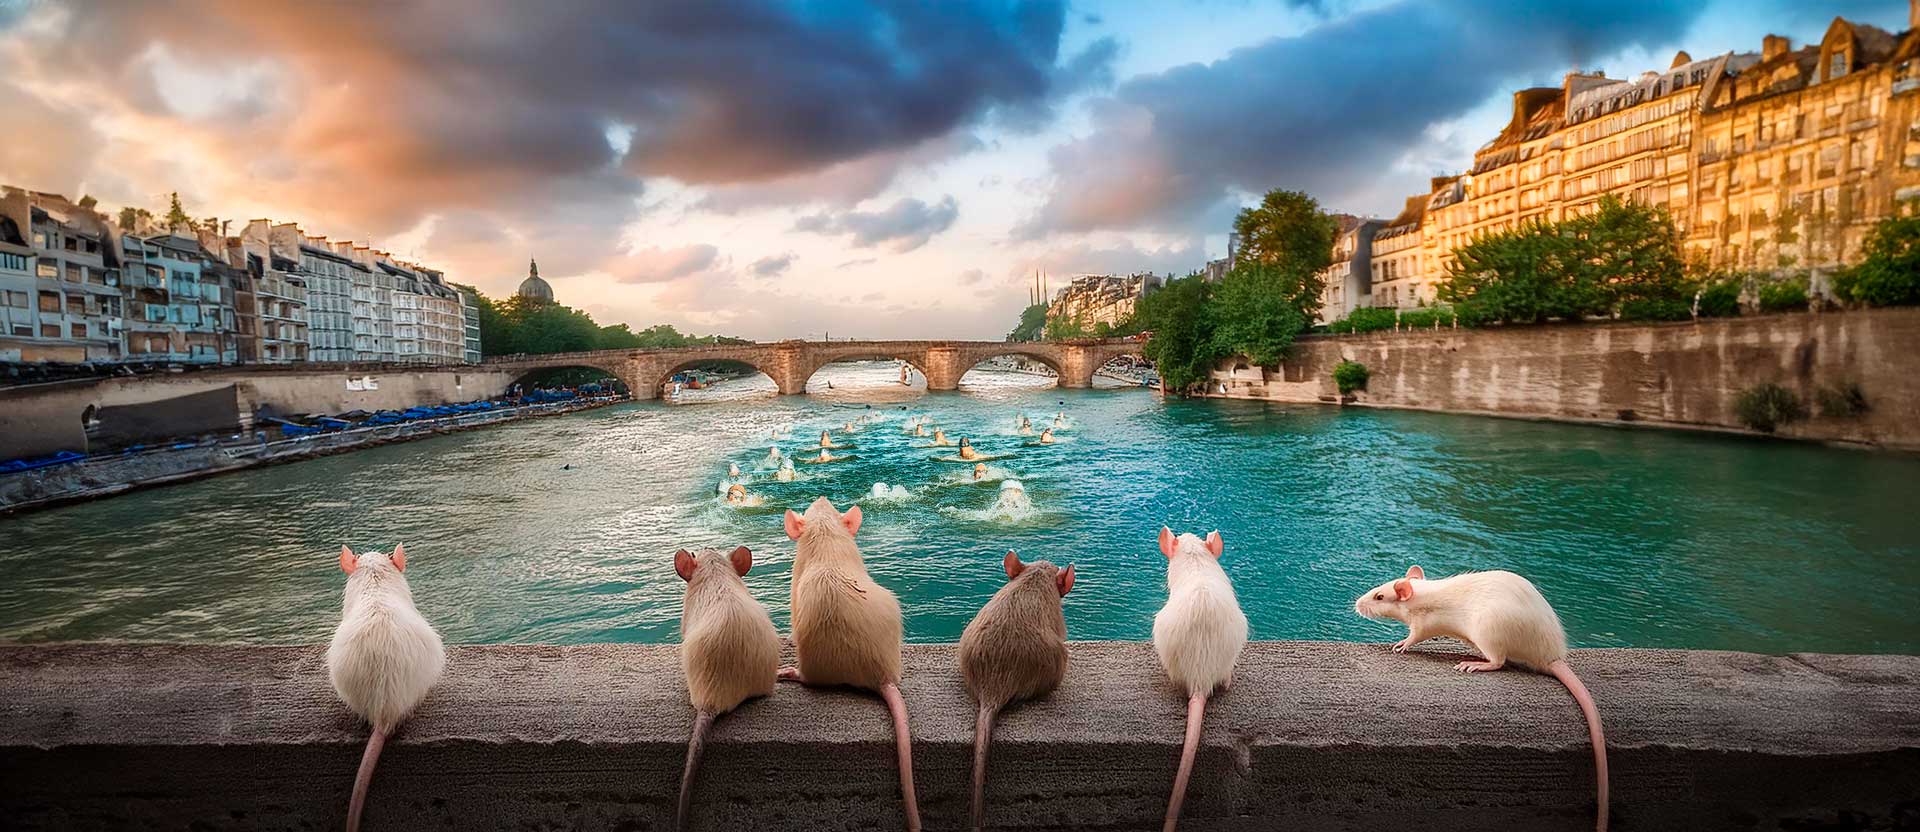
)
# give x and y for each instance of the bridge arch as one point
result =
(566, 374)
(661, 375)
(1048, 359)
(916, 359)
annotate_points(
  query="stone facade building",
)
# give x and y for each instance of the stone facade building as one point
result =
(1348, 283)
(1096, 299)
(1781, 159)
(60, 294)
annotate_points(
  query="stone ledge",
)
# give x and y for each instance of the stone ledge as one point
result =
(1312, 735)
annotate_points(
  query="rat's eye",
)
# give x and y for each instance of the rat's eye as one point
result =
(1379, 596)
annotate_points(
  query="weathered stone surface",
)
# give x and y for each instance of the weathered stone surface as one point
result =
(1312, 735)
(1683, 374)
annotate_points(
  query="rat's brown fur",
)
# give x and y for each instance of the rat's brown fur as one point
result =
(1015, 648)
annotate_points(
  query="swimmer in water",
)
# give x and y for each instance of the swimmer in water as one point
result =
(738, 496)
(827, 456)
(733, 470)
(773, 456)
(1046, 436)
(1026, 426)
(826, 440)
(1013, 499)
(1060, 419)
(940, 438)
(850, 428)
(979, 471)
(966, 449)
(920, 430)
(785, 474)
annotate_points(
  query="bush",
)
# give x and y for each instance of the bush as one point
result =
(1768, 406)
(1846, 399)
(1365, 319)
(1720, 298)
(1350, 376)
(1427, 317)
(1783, 296)
(1656, 309)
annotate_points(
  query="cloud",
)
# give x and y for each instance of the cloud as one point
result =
(655, 265)
(906, 225)
(515, 124)
(1326, 111)
(771, 265)
(1061, 261)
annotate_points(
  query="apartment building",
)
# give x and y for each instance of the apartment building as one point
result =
(280, 290)
(67, 306)
(1348, 283)
(470, 321)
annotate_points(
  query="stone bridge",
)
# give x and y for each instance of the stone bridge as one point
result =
(791, 363)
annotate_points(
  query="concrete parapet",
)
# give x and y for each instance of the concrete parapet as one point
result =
(1312, 735)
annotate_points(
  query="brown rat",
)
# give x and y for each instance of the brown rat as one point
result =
(846, 628)
(1503, 616)
(1015, 648)
(728, 648)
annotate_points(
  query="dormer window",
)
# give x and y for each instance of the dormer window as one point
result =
(1837, 66)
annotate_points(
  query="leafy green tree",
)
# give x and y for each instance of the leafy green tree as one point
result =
(517, 326)
(1181, 347)
(1889, 275)
(1622, 258)
(1058, 329)
(1257, 311)
(1631, 252)
(176, 215)
(1033, 320)
(1287, 230)
(130, 217)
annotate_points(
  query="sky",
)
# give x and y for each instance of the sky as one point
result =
(797, 170)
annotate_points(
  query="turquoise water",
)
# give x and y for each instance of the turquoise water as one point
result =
(562, 530)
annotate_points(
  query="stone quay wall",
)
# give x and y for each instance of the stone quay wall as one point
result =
(1310, 736)
(1680, 375)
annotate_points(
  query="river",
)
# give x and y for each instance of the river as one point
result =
(562, 530)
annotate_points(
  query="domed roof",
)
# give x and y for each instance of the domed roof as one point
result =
(533, 288)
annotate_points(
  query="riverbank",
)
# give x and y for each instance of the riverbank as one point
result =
(92, 479)
(1319, 735)
(1686, 374)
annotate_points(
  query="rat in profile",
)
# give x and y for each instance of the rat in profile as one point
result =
(384, 656)
(1015, 648)
(1503, 616)
(1198, 636)
(728, 647)
(846, 628)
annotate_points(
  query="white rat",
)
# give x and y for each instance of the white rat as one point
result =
(728, 648)
(1503, 616)
(384, 656)
(1198, 636)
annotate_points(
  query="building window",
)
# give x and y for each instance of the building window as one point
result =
(1838, 66)
(78, 330)
(49, 270)
(50, 302)
(15, 262)
(49, 330)
(17, 300)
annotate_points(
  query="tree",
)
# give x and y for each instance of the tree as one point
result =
(176, 215)
(516, 325)
(1287, 230)
(1181, 347)
(1623, 258)
(1033, 320)
(130, 217)
(1258, 310)
(1058, 329)
(1889, 275)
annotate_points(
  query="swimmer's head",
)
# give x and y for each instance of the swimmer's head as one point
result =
(737, 494)
(965, 443)
(733, 469)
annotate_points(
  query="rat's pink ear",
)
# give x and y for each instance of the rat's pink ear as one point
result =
(1013, 564)
(1215, 544)
(1064, 580)
(1416, 573)
(851, 520)
(742, 560)
(1166, 541)
(348, 562)
(399, 556)
(795, 525)
(683, 564)
(1402, 589)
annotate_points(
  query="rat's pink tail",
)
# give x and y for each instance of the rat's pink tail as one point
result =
(1196, 711)
(360, 781)
(898, 707)
(696, 748)
(982, 736)
(1564, 673)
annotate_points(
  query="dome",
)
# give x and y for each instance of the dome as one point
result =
(533, 288)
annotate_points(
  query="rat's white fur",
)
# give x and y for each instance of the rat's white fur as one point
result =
(384, 656)
(1201, 630)
(1500, 614)
(728, 647)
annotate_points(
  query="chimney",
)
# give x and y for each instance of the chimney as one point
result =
(1773, 46)
(1681, 58)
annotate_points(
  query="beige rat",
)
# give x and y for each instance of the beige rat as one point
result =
(728, 648)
